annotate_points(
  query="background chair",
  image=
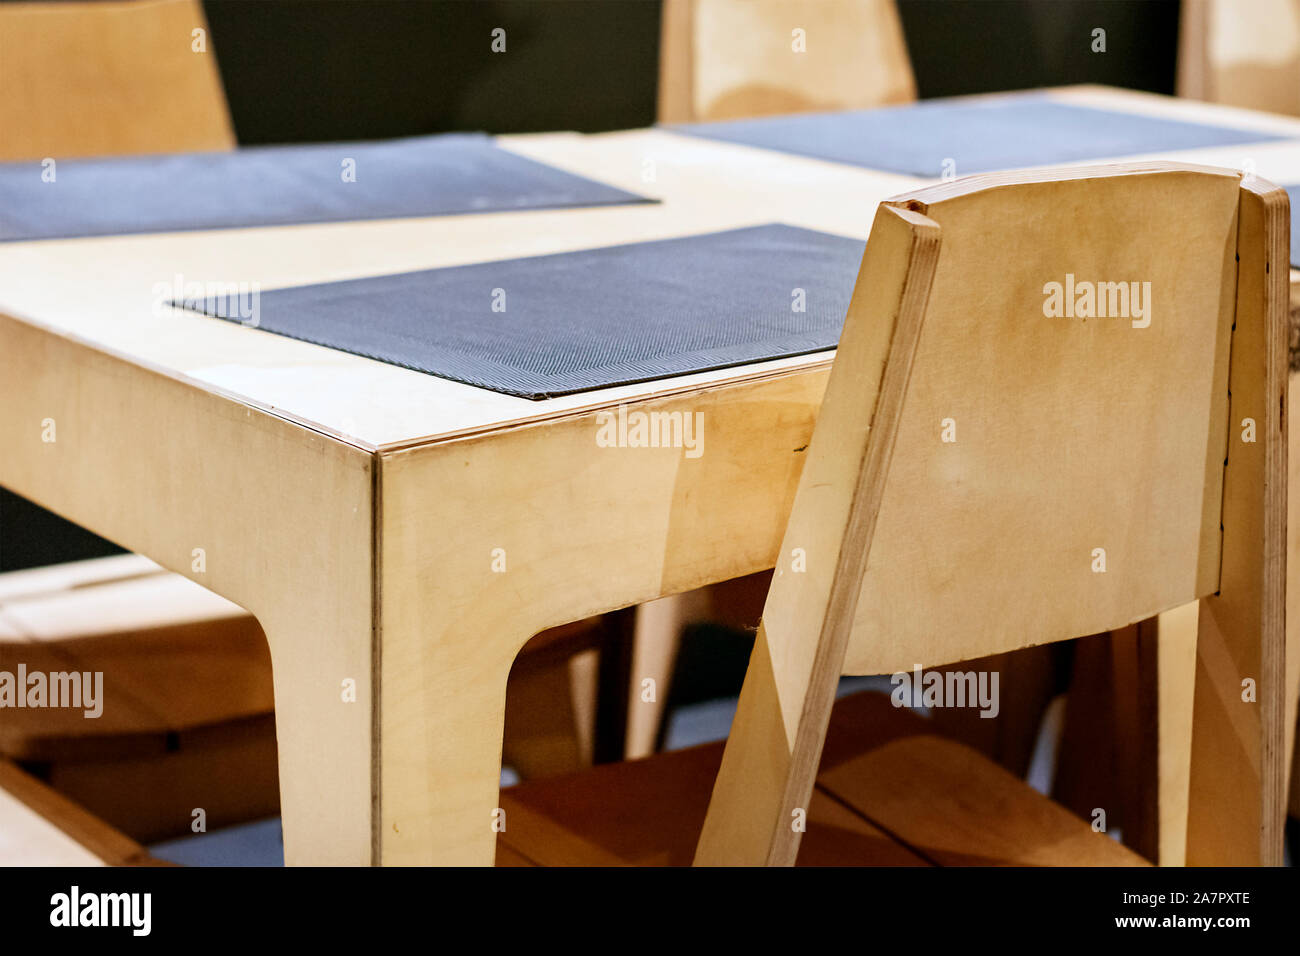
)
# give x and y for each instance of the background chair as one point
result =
(99, 79)
(731, 59)
(727, 59)
(1248, 55)
(1241, 54)
(42, 828)
(1105, 481)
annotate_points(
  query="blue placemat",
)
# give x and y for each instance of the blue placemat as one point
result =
(280, 185)
(569, 322)
(965, 136)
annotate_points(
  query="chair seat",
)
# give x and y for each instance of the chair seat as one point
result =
(39, 827)
(888, 794)
(186, 715)
(174, 658)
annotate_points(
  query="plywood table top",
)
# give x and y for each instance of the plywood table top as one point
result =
(102, 290)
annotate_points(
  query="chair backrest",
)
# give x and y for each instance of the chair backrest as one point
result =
(99, 79)
(728, 59)
(1241, 54)
(1055, 409)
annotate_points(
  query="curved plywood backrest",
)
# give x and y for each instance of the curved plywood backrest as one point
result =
(1059, 464)
(729, 59)
(1056, 408)
(100, 79)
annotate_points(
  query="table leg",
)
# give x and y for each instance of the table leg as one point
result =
(658, 636)
(439, 735)
(324, 707)
(268, 514)
(486, 541)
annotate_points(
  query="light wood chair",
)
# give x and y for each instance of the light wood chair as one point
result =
(732, 59)
(99, 79)
(727, 59)
(186, 708)
(1104, 469)
(1248, 55)
(1241, 54)
(39, 827)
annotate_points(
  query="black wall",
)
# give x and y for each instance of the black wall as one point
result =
(311, 70)
(980, 46)
(342, 69)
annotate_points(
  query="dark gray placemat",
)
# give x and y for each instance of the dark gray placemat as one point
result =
(964, 136)
(281, 185)
(576, 321)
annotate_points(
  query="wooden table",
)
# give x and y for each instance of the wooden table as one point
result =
(358, 509)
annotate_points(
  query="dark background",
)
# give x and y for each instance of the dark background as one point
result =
(311, 70)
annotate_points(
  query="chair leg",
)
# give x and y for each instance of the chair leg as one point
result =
(615, 686)
(549, 717)
(1236, 798)
(1176, 675)
(658, 635)
(1235, 795)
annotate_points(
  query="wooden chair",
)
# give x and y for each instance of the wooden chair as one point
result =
(185, 709)
(99, 79)
(1248, 55)
(1101, 470)
(732, 59)
(1241, 54)
(727, 59)
(39, 827)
